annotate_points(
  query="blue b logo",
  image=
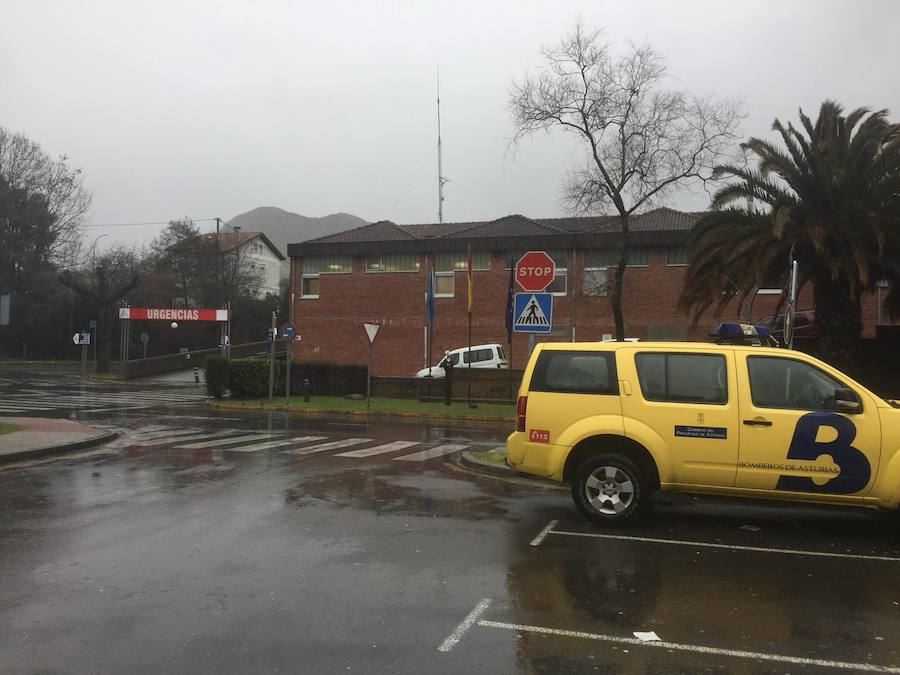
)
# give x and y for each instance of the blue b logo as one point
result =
(855, 469)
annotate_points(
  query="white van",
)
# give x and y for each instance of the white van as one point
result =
(483, 356)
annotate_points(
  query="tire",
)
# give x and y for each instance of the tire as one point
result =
(610, 489)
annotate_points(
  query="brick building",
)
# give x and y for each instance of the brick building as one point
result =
(376, 273)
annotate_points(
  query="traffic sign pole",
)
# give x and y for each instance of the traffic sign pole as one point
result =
(371, 332)
(287, 334)
(272, 332)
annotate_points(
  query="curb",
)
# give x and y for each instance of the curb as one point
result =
(63, 448)
(475, 465)
(318, 412)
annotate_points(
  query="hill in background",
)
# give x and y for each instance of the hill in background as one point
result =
(284, 227)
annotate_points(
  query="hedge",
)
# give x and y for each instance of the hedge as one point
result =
(249, 378)
(215, 370)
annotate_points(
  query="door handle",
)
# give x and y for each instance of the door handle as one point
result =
(758, 422)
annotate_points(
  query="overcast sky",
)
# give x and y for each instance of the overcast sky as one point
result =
(213, 108)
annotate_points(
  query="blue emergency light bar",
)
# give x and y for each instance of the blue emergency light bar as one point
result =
(729, 332)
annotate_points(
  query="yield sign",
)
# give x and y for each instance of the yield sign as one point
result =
(535, 270)
(371, 331)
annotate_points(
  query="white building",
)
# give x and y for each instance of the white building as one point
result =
(257, 254)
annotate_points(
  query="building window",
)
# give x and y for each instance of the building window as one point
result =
(558, 286)
(393, 262)
(456, 262)
(638, 257)
(309, 286)
(595, 281)
(327, 264)
(443, 284)
(676, 256)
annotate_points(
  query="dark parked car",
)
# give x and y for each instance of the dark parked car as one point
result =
(804, 325)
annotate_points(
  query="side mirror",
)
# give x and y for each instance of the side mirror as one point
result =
(845, 400)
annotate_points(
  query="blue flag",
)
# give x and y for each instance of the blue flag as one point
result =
(429, 297)
(509, 299)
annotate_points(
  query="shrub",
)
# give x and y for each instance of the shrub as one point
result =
(249, 378)
(215, 369)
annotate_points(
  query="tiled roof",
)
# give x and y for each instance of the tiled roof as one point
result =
(665, 226)
(229, 241)
(383, 230)
(508, 226)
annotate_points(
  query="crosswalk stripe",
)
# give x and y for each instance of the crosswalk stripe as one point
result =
(195, 437)
(379, 449)
(437, 451)
(333, 445)
(224, 441)
(26, 406)
(168, 433)
(275, 444)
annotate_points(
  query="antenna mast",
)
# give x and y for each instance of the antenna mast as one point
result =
(441, 179)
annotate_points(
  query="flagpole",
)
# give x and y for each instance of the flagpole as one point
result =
(509, 325)
(469, 303)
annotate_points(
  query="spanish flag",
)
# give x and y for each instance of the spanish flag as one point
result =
(469, 277)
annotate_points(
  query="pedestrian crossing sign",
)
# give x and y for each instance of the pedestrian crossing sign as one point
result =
(533, 313)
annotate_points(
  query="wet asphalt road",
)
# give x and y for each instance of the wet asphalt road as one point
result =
(151, 556)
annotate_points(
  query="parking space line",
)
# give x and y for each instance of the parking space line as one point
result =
(464, 626)
(698, 649)
(729, 547)
(538, 539)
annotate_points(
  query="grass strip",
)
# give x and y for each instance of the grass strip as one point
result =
(380, 406)
(8, 428)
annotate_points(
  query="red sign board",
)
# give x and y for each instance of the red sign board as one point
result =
(173, 314)
(535, 271)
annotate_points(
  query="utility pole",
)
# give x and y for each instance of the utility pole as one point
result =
(441, 179)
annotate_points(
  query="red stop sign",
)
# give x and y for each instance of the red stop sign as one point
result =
(535, 270)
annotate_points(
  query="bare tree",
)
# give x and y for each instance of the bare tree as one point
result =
(642, 138)
(25, 166)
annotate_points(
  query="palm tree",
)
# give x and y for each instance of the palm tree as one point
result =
(832, 196)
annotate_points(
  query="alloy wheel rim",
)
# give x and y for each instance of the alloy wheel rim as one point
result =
(609, 490)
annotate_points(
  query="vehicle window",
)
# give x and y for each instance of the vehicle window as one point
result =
(683, 378)
(787, 383)
(501, 353)
(452, 358)
(575, 372)
(477, 355)
(800, 320)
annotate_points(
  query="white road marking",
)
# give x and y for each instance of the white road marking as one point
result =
(466, 624)
(543, 533)
(328, 446)
(168, 433)
(379, 449)
(225, 441)
(430, 454)
(729, 547)
(698, 649)
(275, 444)
(195, 437)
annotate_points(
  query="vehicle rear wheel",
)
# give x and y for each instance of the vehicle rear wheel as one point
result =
(609, 489)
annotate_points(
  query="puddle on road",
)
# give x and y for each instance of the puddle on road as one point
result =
(423, 494)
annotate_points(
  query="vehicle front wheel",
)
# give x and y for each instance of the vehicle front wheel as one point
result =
(609, 489)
